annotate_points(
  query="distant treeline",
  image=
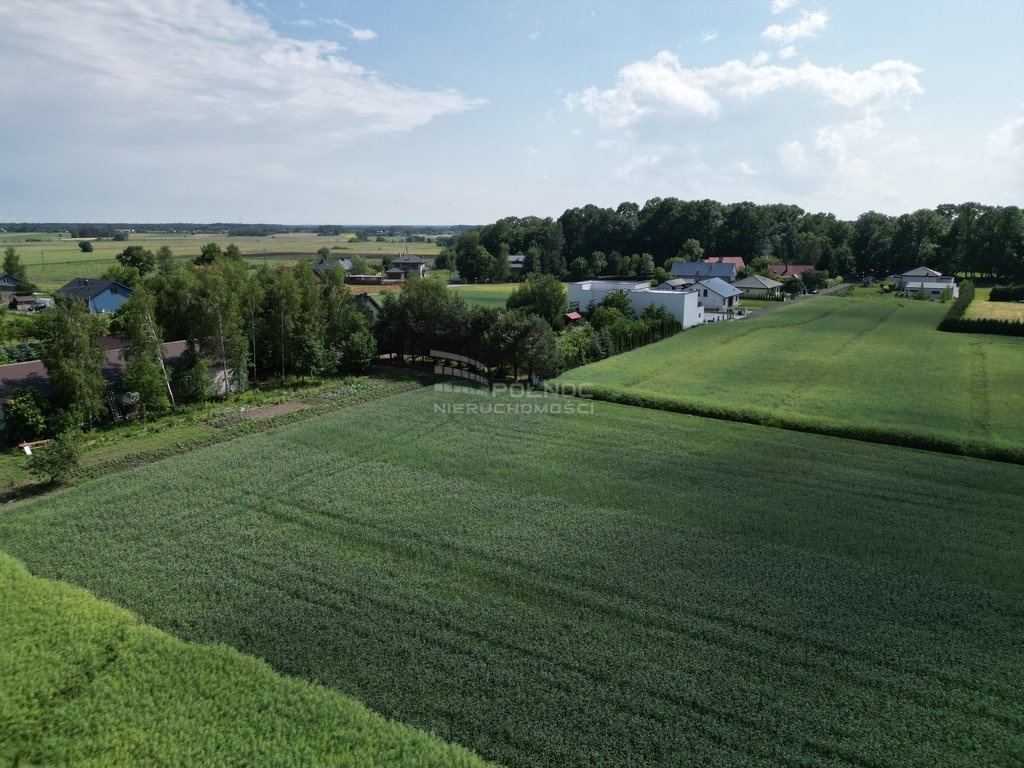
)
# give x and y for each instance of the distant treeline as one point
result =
(85, 229)
(964, 238)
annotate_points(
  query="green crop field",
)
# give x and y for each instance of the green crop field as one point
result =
(622, 587)
(83, 683)
(51, 262)
(486, 295)
(879, 368)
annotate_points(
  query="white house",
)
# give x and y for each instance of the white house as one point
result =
(925, 279)
(682, 305)
(716, 295)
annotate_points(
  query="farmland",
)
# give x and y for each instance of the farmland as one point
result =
(51, 262)
(835, 364)
(83, 683)
(624, 587)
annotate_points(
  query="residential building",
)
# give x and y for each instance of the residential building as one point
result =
(101, 296)
(700, 270)
(716, 295)
(682, 305)
(410, 265)
(759, 287)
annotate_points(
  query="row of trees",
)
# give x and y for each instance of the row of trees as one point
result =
(954, 238)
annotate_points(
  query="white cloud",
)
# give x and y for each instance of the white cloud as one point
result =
(535, 35)
(707, 37)
(745, 168)
(787, 53)
(362, 35)
(810, 24)
(793, 155)
(836, 140)
(610, 144)
(637, 164)
(1007, 141)
(778, 6)
(197, 74)
(532, 151)
(662, 83)
(761, 58)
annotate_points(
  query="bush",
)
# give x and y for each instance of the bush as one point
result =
(57, 461)
(25, 414)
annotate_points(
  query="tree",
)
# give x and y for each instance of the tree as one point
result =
(164, 259)
(85, 246)
(138, 257)
(814, 279)
(25, 414)
(474, 262)
(128, 276)
(73, 359)
(13, 265)
(323, 252)
(120, 236)
(208, 254)
(690, 251)
(358, 351)
(541, 295)
(145, 372)
(190, 377)
(360, 266)
(57, 461)
(233, 253)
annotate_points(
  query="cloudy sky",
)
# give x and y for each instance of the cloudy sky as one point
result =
(458, 111)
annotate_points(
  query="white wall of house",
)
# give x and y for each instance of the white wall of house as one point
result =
(712, 301)
(682, 305)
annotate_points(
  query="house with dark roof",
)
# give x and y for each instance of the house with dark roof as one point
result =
(677, 284)
(325, 264)
(716, 295)
(395, 273)
(367, 304)
(410, 265)
(702, 270)
(759, 287)
(32, 373)
(8, 287)
(101, 296)
(924, 279)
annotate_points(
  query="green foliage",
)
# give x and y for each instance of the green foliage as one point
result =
(120, 236)
(190, 377)
(690, 251)
(13, 265)
(72, 357)
(25, 414)
(955, 321)
(85, 683)
(57, 461)
(137, 257)
(358, 351)
(541, 295)
(208, 254)
(837, 366)
(748, 596)
(361, 266)
(144, 377)
(1007, 293)
(85, 246)
(128, 276)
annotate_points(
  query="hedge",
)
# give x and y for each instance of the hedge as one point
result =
(955, 322)
(1007, 293)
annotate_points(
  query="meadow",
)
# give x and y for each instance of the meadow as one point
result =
(873, 369)
(51, 261)
(618, 587)
(488, 295)
(83, 683)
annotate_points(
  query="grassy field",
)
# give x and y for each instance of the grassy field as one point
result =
(52, 262)
(627, 587)
(490, 295)
(82, 682)
(879, 367)
(981, 307)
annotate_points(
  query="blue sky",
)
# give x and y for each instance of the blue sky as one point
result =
(463, 112)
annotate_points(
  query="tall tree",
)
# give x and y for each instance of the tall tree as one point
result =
(73, 359)
(13, 265)
(138, 257)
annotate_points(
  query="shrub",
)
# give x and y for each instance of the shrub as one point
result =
(1007, 293)
(25, 414)
(57, 461)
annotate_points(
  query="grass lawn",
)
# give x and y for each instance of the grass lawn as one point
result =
(82, 682)
(622, 587)
(486, 295)
(981, 307)
(835, 363)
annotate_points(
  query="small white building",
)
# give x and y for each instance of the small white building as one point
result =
(682, 305)
(716, 295)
